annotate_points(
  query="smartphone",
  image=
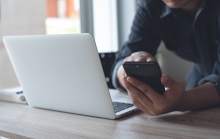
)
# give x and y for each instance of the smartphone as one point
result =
(147, 72)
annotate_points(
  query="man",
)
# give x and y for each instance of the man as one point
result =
(189, 28)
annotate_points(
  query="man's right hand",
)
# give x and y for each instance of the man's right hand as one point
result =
(134, 57)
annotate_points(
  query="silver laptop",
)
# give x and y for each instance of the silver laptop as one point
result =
(64, 73)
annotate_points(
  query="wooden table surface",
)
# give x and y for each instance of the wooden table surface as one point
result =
(22, 121)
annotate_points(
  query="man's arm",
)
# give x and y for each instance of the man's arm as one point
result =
(143, 37)
(174, 99)
(201, 97)
(208, 92)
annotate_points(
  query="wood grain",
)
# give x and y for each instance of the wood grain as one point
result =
(9, 135)
(31, 122)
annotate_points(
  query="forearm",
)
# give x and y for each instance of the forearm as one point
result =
(200, 97)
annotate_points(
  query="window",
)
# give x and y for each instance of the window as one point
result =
(105, 19)
(105, 25)
(31, 17)
(112, 23)
(62, 17)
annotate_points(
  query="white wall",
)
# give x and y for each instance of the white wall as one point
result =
(105, 25)
(18, 17)
(172, 65)
(126, 12)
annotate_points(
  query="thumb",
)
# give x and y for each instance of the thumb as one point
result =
(171, 83)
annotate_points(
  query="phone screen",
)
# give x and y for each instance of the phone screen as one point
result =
(147, 72)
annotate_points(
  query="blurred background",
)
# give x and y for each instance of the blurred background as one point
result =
(109, 21)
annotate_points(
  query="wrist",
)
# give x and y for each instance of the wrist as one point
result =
(200, 97)
(120, 74)
(185, 104)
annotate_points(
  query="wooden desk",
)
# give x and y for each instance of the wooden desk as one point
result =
(22, 121)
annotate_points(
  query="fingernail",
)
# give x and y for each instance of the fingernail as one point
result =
(149, 60)
(165, 78)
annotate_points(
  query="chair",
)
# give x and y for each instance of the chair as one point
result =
(107, 60)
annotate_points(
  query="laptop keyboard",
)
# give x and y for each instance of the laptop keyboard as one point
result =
(121, 106)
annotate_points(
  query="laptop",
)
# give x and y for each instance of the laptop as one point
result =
(64, 73)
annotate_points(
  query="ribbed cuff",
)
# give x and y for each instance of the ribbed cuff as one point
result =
(214, 79)
(115, 81)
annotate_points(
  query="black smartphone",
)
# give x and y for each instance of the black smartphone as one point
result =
(147, 72)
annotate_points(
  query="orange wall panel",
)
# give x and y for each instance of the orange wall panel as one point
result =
(52, 8)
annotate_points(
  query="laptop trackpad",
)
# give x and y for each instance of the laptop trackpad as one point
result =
(117, 96)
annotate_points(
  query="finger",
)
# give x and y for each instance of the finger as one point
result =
(140, 53)
(136, 58)
(143, 57)
(151, 59)
(140, 58)
(170, 83)
(138, 95)
(146, 89)
(129, 58)
(124, 74)
(138, 104)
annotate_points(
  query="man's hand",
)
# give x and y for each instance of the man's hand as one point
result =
(134, 57)
(141, 57)
(150, 101)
